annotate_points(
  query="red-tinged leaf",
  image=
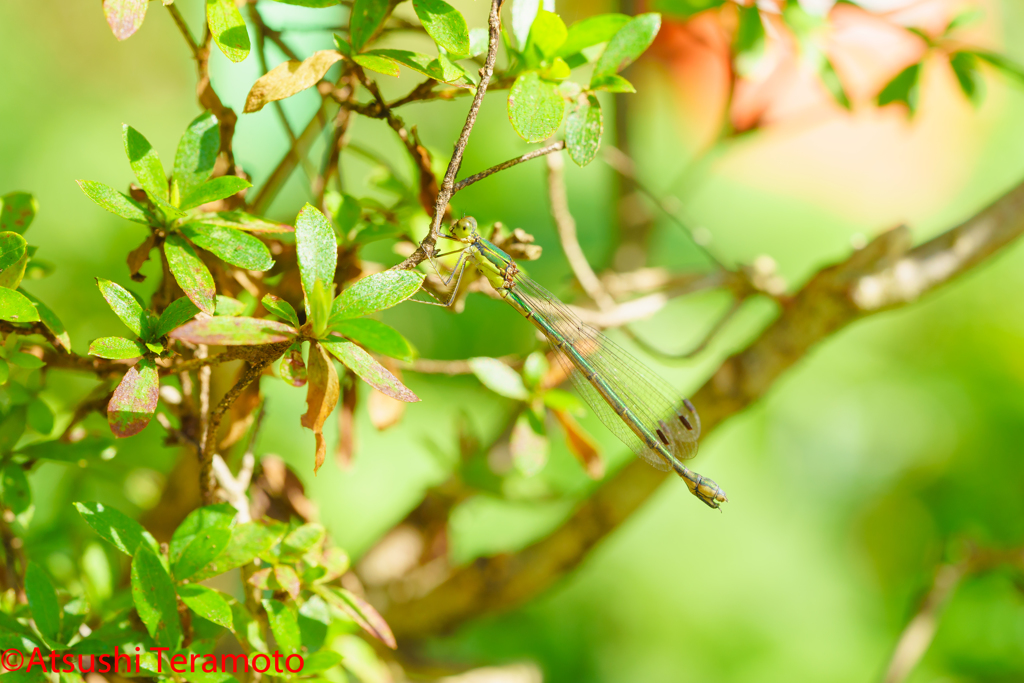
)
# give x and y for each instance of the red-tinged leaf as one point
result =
(261, 578)
(134, 401)
(375, 293)
(233, 331)
(289, 78)
(115, 202)
(124, 16)
(17, 210)
(321, 397)
(116, 348)
(385, 412)
(288, 579)
(212, 190)
(281, 308)
(361, 612)
(369, 370)
(581, 444)
(190, 273)
(293, 368)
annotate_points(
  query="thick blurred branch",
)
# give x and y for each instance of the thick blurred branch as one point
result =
(885, 274)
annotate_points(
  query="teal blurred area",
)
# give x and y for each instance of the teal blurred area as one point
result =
(878, 457)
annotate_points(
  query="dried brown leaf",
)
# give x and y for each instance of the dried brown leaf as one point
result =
(321, 397)
(581, 444)
(289, 78)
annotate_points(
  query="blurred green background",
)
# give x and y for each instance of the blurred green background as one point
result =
(894, 441)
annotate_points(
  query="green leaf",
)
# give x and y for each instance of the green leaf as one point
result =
(115, 202)
(40, 416)
(289, 78)
(248, 541)
(316, 249)
(523, 14)
(50, 320)
(134, 401)
(197, 524)
(281, 308)
(25, 360)
(311, 3)
(233, 246)
(120, 530)
(367, 19)
(583, 129)
(628, 43)
(321, 661)
(591, 31)
(17, 495)
(145, 164)
(535, 368)
(228, 306)
(345, 208)
(190, 272)
(116, 348)
(318, 309)
(528, 446)
(965, 68)
(369, 370)
(830, 78)
(535, 107)
(228, 29)
(902, 88)
(360, 612)
(91, 447)
(207, 603)
(557, 399)
(547, 34)
(1005, 65)
(381, 65)
(197, 153)
(124, 16)
(212, 190)
(42, 600)
(153, 595)
(444, 24)
(16, 308)
(303, 539)
(499, 378)
(179, 312)
(424, 64)
(204, 548)
(284, 625)
(17, 210)
(612, 83)
(243, 221)
(377, 337)
(375, 293)
(125, 307)
(5, 371)
(234, 331)
(12, 249)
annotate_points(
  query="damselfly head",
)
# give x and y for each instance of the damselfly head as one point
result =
(464, 229)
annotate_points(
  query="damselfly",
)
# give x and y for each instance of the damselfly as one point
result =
(639, 407)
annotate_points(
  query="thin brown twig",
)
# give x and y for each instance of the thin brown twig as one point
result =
(716, 328)
(426, 246)
(183, 27)
(568, 237)
(532, 154)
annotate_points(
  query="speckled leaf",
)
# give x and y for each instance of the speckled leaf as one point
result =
(117, 528)
(369, 370)
(115, 202)
(17, 209)
(535, 107)
(321, 397)
(628, 43)
(134, 401)
(247, 541)
(207, 603)
(196, 524)
(190, 272)
(116, 348)
(378, 337)
(12, 275)
(444, 24)
(293, 368)
(16, 308)
(316, 249)
(583, 129)
(12, 249)
(153, 595)
(204, 548)
(124, 16)
(375, 293)
(288, 579)
(125, 307)
(284, 625)
(145, 164)
(177, 314)
(197, 153)
(243, 221)
(367, 18)
(360, 612)
(281, 308)
(233, 331)
(499, 378)
(233, 246)
(228, 29)
(289, 78)
(212, 190)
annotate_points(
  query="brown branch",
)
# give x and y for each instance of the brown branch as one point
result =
(183, 27)
(532, 154)
(566, 226)
(832, 299)
(426, 247)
